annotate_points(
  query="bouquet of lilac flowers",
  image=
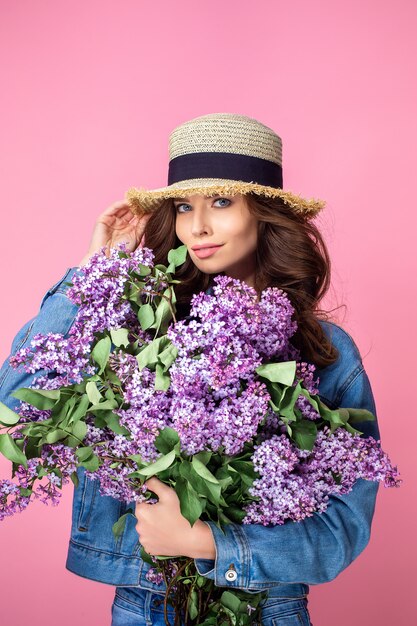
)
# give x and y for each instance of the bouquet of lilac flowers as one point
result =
(219, 406)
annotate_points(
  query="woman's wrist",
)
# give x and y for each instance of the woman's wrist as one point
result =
(202, 544)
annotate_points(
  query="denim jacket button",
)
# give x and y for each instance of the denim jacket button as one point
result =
(231, 575)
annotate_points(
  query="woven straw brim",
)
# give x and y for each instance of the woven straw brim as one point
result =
(146, 201)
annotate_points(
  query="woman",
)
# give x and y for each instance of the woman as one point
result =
(225, 201)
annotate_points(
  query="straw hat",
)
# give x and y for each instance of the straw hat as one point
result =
(222, 153)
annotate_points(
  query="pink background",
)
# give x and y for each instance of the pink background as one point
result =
(90, 92)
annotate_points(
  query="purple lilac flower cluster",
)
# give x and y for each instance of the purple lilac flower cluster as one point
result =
(146, 415)
(154, 575)
(220, 344)
(59, 462)
(99, 288)
(98, 291)
(296, 483)
(215, 401)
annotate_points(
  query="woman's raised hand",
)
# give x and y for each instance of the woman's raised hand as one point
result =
(114, 225)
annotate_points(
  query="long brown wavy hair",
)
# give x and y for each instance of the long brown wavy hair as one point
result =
(291, 255)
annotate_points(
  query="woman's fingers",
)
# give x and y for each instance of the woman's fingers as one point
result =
(120, 209)
(116, 224)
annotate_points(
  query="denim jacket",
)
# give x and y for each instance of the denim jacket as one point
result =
(284, 559)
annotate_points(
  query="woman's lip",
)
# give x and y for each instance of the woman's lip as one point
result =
(207, 245)
(203, 253)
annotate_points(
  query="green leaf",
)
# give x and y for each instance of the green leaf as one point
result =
(146, 316)
(7, 416)
(202, 471)
(119, 337)
(162, 378)
(79, 387)
(245, 468)
(79, 430)
(276, 391)
(166, 440)
(93, 393)
(144, 270)
(159, 465)
(177, 256)
(336, 418)
(288, 400)
(163, 313)
(84, 453)
(33, 448)
(360, 415)
(146, 557)
(190, 504)
(112, 421)
(193, 605)
(10, 450)
(42, 399)
(283, 373)
(149, 355)
(229, 600)
(168, 356)
(202, 487)
(91, 464)
(343, 414)
(101, 352)
(223, 476)
(55, 435)
(109, 394)
(106, 405)
(231, 618)
(75, 479)
(353, 431)
(204, 456)
(304, 434)
(235, 514)
(332, 416)
(63, 409)
(81, 409)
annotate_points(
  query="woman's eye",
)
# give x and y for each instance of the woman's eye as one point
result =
(178, 207)
(224, 200)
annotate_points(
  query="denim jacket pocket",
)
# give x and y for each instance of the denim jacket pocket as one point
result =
(94, 516)
(89, 493)
(285, 612)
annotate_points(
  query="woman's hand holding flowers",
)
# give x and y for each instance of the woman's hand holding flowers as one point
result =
(116, 224)
(164, 531)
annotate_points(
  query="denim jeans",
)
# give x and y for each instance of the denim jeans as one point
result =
(139, 607)
(134, 606)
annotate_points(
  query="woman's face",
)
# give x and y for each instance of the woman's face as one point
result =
(220, 233)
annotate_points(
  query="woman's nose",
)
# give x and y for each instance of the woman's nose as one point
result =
(199, 224)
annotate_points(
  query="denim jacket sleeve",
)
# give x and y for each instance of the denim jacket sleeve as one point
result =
(56, 315)
(316, 549)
